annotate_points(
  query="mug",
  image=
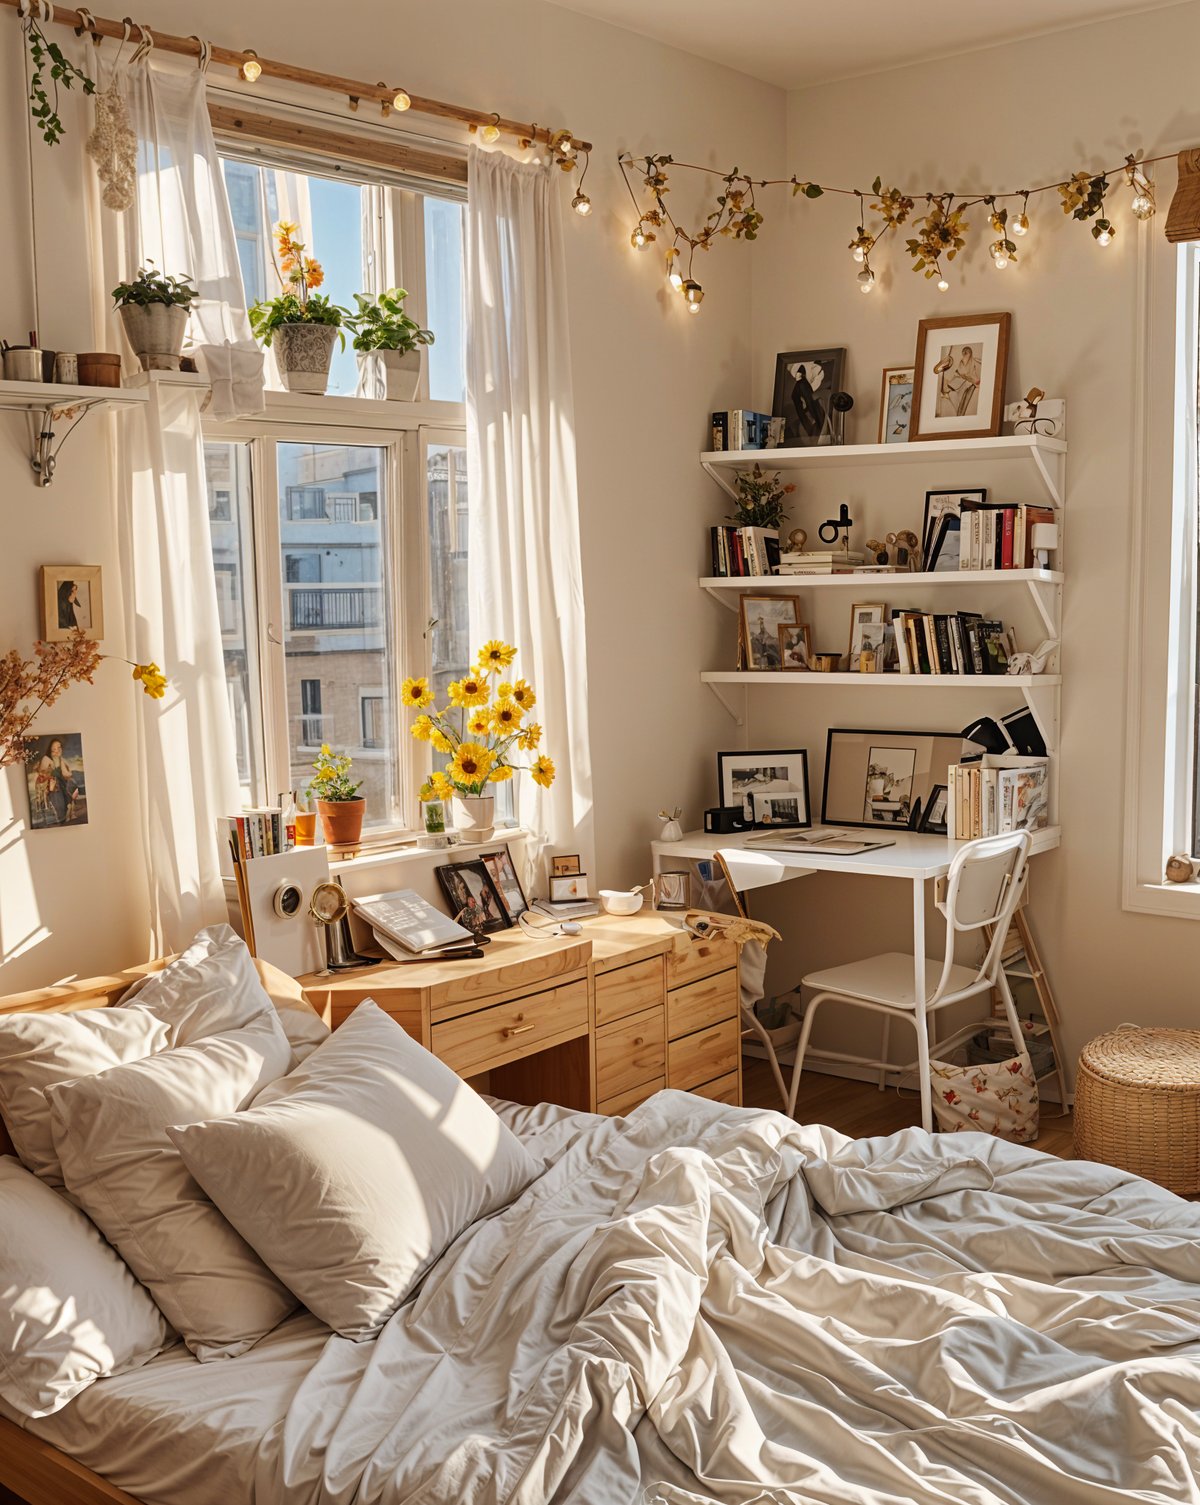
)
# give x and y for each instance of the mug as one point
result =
(21, 363)
(66, 369)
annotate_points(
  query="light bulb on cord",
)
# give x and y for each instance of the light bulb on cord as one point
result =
(638, 238)
(1142, 205)
(866, 280)
(251, 69)
(1103, 232)
(999, 255)
(401, 101)
(694, 294)
(581, 203)
(942, 285)
(491, 134)
(676, 280)
(1020, 226)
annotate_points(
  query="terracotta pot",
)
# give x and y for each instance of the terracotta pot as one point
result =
(303, 353)
(342, 821)
(155, 333)
(475, 817)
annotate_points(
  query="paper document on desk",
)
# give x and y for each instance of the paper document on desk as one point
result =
(405, 917)
(836, 843)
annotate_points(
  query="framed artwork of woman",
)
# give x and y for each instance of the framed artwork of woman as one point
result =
(55, 778)
(958, 384)
(72, 599)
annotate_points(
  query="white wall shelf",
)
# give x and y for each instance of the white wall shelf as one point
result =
(809, 679)
(45, 403)
(1047, 458)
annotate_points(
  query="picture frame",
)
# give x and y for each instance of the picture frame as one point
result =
(934, 815)
(873, 777)
(504, 875)
(743, 775)
(872, 648)
(472, 897)
(671, 890)
(795, 648)
(72, 596)
(862, 614)
(777, 810)
(565, 863)
(958, 385)
(568, 888)
(940, 504)
(805, 381)
(56, 781)
(895, 404)
(759, 621)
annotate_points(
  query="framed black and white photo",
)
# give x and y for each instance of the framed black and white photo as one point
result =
(795, 646)
(805, 381)
(759, 621)
(471, 896)
(748, 779)
(863, 615)
(936, 553)
(873, 778)
(958, 388)
(895, 404)
(504, 876)
(933, 817)
(72, 598)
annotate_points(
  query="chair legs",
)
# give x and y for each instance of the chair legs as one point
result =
(756, 1024)
(810, 1013)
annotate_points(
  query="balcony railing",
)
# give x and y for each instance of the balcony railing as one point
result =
(322, 607)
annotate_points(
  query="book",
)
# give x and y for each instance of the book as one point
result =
(568, 909)
(740, 428)
(837, 843)
(413, 923)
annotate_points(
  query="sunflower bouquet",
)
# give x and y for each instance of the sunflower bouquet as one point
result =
(485, 724)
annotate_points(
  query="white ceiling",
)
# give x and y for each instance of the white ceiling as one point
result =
(794, 43)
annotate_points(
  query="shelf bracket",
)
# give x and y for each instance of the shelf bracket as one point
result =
(718, 476)
(1049, 481)
(739, 716)
(43, 451)
(728, 599)
(1045, 599)
(1043, 701)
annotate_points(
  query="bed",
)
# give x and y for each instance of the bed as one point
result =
(699, 1303)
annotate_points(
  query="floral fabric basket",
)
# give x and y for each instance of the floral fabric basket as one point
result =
(997, 1097)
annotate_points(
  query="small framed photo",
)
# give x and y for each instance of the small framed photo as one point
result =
(941, 524)
(958, 386)
(760, 618)
(671, 891)
(504, 876)
(72, 597)
(472, 896)
(564, 864)
(805, 381)
(873, 647)
(933, 817)
(863, 614)
(57, 784)
(795, 646)
(568, 888)
(778, 809)
(745, 778)
(895, 404)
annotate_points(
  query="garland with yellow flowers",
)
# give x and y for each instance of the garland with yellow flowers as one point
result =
(484, 723)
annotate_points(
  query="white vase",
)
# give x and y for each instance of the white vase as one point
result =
(672, 831)
(155, 333)
(303, 353)
(475, 817)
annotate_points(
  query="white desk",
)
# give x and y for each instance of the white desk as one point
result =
(916, 858)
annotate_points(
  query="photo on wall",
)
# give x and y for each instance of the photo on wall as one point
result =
(72, 598)
(56, 782)
(805, 381)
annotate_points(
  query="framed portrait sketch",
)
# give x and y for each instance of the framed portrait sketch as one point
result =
(770, 787)
(873, 778)
(795, 646)
(472, 897)
(759, 621)
(504, 876)
(958, 388)
(57, 785)
(895, 404)
(71, 597)
(862, 616)
(805, 381)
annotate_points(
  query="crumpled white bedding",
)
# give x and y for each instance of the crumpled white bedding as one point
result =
(701, 1303)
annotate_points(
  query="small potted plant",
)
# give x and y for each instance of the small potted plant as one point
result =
(301, 324)
(385, 336)
(154, 310)
(760, 505)
(338, 802)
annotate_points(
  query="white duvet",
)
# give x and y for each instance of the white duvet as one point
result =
(701, 1303)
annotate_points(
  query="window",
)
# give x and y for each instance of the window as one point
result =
(446, 483)
(372, 717)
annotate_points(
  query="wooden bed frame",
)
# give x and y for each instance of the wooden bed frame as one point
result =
(31, 1471)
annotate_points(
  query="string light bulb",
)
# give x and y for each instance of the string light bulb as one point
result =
(942, 285)
(694, 294)
(999, 253)
(1020, 226)
(581, 203)
(866, 280)
(401, 100)
(490, 134)
(1142, 203)
(1103, 231)
(676, 280)
(251, 69)
(638, 239)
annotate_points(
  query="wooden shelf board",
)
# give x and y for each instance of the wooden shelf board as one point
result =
(812, 680)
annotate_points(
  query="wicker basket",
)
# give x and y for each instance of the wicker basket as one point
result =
(1137, 1104)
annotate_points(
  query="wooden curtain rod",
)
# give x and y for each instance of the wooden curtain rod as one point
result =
(354, 89)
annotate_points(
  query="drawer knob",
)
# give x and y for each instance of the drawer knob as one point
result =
(517, 1029)
(638, 1041)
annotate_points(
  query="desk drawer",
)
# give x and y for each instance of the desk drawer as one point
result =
(628, 990)
(702, 1057)
(701, 1004)
(700, 959)
(626, 1102)
(507, 1031)
(723, 1090)
(630, 1053)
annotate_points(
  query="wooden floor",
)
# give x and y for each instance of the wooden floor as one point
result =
(861, 1110)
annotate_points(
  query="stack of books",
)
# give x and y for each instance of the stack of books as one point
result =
(740, 428)
(998, 537)
(1002, 792)
(566, 909)
(260, 832)
(744, 551)
(960, 642)
(827, 562)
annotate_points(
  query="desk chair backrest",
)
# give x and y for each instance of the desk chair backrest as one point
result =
(983, 888)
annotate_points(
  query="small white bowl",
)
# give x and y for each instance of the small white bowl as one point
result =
(621, 901)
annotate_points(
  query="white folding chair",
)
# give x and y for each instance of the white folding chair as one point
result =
(983, 888)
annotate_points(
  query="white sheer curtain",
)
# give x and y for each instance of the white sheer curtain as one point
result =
(525, 577)
(186, 763)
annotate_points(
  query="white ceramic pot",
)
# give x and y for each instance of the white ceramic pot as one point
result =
(155, 333)
(475, 817)
(402, 373)
(303, 353)
(671, 831)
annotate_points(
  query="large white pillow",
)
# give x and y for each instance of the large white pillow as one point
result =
(70, 1312)
(352, 1175)
(110, 1134)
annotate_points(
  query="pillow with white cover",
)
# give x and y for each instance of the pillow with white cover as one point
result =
(352, 1175)
(70, 1312)
(211, 987)
(110, 1132)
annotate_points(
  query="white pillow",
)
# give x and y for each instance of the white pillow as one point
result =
(352, 1175)
(70, 1312)
(110, 1134)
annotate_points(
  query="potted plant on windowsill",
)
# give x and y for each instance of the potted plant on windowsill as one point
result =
(481, 729)
(338, 802)
(301, 324)
(385, 337)
(154, 310)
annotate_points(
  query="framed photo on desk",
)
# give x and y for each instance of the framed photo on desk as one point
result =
(770, 787)
(872, 778)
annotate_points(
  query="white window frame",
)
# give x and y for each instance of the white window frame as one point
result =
(1160, 686)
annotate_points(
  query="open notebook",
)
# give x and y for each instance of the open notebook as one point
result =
(405, 918)
(837, 843)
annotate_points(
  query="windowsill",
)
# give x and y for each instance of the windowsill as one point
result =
(408, 851)
(1181, 900)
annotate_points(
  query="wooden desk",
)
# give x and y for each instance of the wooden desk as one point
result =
(599, 1021)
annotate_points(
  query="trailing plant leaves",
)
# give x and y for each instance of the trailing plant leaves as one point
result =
(45, 54)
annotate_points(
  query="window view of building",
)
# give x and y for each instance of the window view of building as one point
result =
(449, 644)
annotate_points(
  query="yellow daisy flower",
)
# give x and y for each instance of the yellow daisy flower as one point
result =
(495, 655)
(530, 737)
(440, 740)
(422, 728)
(543, 771)
(441, 786)
(506, 717)
(468, 691)
(523, 694)
(416, 694)
(471, 764)
(480, 724)
(501, 773)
